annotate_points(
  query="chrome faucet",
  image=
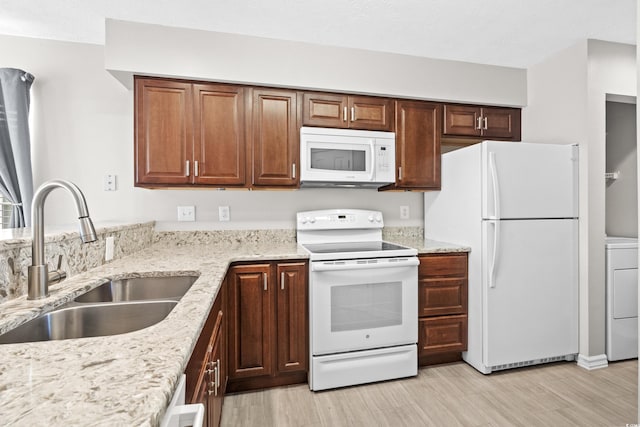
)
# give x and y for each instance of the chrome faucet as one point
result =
(39, 277)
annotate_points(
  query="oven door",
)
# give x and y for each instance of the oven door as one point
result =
(363, 304)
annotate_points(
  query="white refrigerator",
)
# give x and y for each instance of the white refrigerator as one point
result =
(516, 205)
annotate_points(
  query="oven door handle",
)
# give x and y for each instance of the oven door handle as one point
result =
(332, 266)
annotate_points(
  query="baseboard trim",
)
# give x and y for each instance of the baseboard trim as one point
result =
(593, 362)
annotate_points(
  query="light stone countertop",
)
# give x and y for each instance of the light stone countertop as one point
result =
(124, 379)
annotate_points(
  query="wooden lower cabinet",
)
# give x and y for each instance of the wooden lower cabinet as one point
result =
(442, 307)
(268, 333)
(206, 370)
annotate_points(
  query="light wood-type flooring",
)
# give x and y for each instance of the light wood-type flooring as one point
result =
(559, 394)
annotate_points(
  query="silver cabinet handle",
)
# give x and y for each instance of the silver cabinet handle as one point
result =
(293, 170)
(195, 168)
(485, 123)
(282, 280)
(217, 375)
(344, 114)
(264, 280)
(353, 114)
(188, 169)
(479, 124)
(400, 173)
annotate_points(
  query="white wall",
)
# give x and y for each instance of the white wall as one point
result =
(82, 129)
(622, 156)
(567, 96)
(158, 50)
(82, 118)
(81, 122)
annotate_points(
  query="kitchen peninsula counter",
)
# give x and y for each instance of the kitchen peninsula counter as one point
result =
(124, 379)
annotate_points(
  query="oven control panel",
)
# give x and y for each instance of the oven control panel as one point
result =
(331, 219)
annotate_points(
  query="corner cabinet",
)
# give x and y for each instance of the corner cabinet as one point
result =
(482, 122)
(275, 137)
(187, 133)
(206, 370)
(268, 332)
(442, 307)
(347, 111)
(418, 131)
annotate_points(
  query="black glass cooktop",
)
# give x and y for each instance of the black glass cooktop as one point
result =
(329, 248)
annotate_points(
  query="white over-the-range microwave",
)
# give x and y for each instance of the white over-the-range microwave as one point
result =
(346, 158)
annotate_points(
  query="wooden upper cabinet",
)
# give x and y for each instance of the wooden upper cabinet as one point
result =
(461, 120)
(275, 137)
(501, 123)
(370, 113)
(189, 133)
(219, 137)
(163, 131)
(343, 111)
(418, 145)
(324, 110)
(484, 122)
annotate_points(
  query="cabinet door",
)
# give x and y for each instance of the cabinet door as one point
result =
(366, 112)
(164, 131)
(418, 145)
(219, 135)
(442, 334)
(462, 120)
(215, 393)
(250, 318)
(325, 109)
(501, 123)
(292, 330)
(275, 138)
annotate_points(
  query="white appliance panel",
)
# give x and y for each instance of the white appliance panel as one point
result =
(625, 293)
(360, 367)
(532, 180)
(622, 298)
(530, 307)
(362, 306)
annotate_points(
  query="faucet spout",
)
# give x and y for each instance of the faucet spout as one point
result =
(39, 279)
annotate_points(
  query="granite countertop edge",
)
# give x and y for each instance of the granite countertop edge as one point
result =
(125, 379)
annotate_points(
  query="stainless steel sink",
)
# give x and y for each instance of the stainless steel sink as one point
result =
(139, 288)
(81, 321)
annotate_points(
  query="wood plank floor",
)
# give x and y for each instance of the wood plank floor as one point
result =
(560, 394)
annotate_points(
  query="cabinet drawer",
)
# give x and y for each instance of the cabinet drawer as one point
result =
(442, 296)
(450, 265)
(442, 334)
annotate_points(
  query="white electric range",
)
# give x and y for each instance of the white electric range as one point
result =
(363, 299)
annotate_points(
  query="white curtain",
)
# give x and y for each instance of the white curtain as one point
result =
(16, 179)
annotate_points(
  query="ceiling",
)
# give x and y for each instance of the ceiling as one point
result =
(498, 32)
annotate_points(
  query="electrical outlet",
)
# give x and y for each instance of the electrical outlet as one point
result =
(223, 213)
(108, 248)
(109, 182)
(404, 212)
(186, 213)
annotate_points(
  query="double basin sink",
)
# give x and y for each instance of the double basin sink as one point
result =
(114, 307)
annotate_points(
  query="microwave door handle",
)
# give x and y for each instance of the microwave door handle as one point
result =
(373, 159)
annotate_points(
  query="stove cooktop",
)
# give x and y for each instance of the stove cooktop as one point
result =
(351, 250)
(326, 248)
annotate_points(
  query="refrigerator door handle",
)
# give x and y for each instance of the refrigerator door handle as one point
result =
(494, 254)
(494, 181)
